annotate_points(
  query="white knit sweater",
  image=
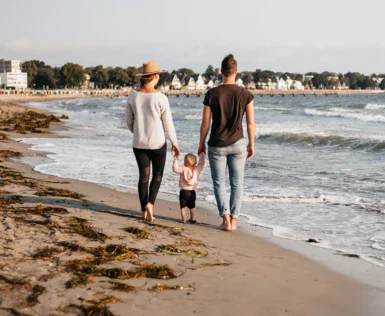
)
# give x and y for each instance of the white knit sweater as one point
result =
(149, 117)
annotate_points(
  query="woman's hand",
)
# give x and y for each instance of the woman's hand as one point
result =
(250, 151)
(175, 151)
(201, 149)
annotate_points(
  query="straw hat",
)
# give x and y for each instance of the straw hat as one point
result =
(151, 68)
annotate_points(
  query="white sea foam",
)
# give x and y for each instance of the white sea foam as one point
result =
(270, 109)
(193, 117)
(372, 106)
(343, 114)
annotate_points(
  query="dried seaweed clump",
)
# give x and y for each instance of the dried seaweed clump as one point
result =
(10, 154)
(13, 281)
(47, 223)
(172, 230)
(40, 210)
(37, 290)
(209, 265)
(89, 310)
(30, 121)
(3, 137)
(46, 253)
(81, 280)
(50, 191)
(187, 242)
(64, 117)
(79, 226)
(72, 246)
(14, 199)
(139, 233)
(151, 271)
(172, 250)
(124, 287)
(159, 287)
(117, 252)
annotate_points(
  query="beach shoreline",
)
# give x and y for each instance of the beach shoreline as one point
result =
(269, 279)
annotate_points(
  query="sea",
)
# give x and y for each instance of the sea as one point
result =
(318, 170)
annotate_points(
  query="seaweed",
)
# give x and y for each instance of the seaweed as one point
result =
(72, 246)
(79, 226)
(89, 310)
(81, 280)
(37, 290)
(47, 223)
(50, 191)
(209, 265)
(10, 154)
(13, 281)
(46, 253)
(13, 199)
(3, 137)
(64, 117)
(151, 271)
(172, 230)
(117, 252)
(39, 210)
(159, 287)
(141, 234)
(103, 300)
(187, 242)
(124, 287)
(172, 250)
(13, 311)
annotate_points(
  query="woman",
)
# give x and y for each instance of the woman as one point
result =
(226, 105)
(149, 117)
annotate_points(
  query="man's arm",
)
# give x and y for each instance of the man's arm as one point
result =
(250, 129)
(205, 126)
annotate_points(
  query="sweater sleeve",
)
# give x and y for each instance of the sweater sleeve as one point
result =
(176, 168)
(168, 124)
(130, 116)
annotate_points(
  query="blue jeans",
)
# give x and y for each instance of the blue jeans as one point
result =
(233, 157)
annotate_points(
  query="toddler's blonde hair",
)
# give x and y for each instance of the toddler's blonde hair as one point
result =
(190, 159)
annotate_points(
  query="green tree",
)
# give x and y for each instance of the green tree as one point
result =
(118, 77)
(132, 72)
(72, 75)
(210, 72)
(320, 81)
(246, 77)
(365, 82)
(382, 85)
(262, 76)
(185, 71)
(45, 78)
(32, 67)
(99, 76)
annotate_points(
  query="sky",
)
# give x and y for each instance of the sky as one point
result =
(280, 35)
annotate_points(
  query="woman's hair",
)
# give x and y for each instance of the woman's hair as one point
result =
(229, 65)
(190, 159)
(146, 79)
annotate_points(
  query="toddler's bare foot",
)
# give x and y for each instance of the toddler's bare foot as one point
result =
(144, 215)
(149, 209)
(233, 224)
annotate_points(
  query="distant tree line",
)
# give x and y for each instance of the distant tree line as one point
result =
(74, 75)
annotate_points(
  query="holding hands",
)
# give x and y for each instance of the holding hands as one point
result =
(175, 152)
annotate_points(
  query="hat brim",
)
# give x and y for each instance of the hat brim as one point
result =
(151, 73)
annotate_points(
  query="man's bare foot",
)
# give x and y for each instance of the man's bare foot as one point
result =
(233, 224)
(183, 215)
(149, 209)
(226, 225)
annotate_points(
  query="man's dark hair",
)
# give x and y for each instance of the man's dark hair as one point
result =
(229, 65)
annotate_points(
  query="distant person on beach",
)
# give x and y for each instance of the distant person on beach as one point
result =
(149, 117)
(224, 108)
(188, 182)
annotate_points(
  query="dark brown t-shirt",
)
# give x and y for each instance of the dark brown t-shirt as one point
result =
(228, 105)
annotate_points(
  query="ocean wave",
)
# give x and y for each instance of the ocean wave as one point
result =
(270, 109)
(193, 117)
(327, 140)
(284, 199)
(343, 114)
(372, 106)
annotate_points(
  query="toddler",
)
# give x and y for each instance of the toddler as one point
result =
(188, 182)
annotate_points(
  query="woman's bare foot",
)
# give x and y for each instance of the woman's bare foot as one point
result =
(183, 215)
(226, 225)
(149, 209)
(144, 215)
(233, 224)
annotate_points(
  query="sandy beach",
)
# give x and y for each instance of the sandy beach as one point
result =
(75, 248)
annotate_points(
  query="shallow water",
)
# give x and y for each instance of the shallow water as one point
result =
(318, 172)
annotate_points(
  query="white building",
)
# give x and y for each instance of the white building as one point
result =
(199, 82)
(189, 83)
(11, 75)
(210, 84)
(239, 83)
(175, 83)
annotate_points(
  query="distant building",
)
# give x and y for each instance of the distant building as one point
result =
(189, 83)
(308, 78)
(209, 83)
(11, 75)
(175, 83)
(239, 83)
(199, 82)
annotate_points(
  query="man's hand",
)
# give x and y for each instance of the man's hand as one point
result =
(250, 151)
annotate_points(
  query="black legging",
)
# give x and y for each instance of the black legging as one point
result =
(144, 158)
